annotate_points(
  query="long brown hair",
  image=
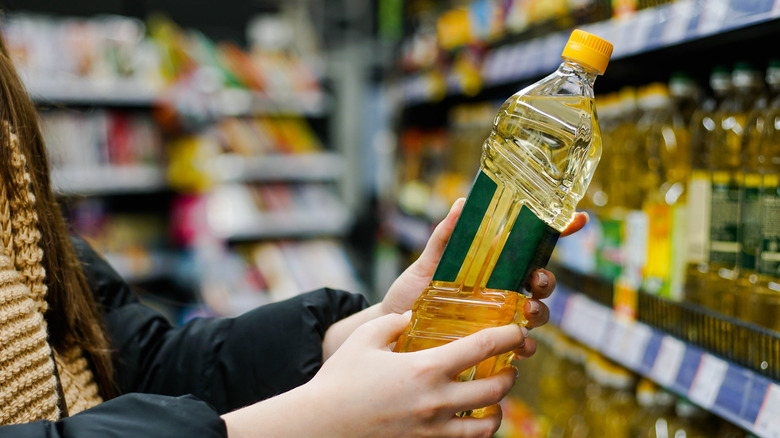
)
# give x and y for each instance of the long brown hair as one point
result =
(72, 316)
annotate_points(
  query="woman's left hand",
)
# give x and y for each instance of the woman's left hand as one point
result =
(408, 286)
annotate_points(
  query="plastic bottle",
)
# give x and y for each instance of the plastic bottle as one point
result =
(700, 185)
(624, 158)
(727, 183)
(749, 233)
(667, 143)
(765, 303)
(692, 422)
(536, 165)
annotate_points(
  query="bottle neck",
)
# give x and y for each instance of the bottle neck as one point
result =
(584, 72)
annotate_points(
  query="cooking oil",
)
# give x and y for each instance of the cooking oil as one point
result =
(536, 165)
(702, 128)
(666, 141)
(751, 226)
(765, 303)
(727, 180)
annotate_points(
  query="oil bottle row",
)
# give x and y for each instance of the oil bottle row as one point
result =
(686, 196)
(567, 390)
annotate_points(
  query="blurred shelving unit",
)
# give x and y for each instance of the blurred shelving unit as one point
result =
(108, 180)
(648, 30)
(671, 343)
(183, 169)
(736, 382)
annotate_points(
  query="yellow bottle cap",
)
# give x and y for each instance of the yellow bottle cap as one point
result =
(588, 49)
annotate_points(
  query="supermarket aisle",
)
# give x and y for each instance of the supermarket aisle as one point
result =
(223, 157)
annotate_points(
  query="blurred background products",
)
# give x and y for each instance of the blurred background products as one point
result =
(225, 155)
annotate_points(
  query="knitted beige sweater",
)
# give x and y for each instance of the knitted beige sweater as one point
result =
(28, 375)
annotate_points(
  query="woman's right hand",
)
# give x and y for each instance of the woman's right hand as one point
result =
(366, 390)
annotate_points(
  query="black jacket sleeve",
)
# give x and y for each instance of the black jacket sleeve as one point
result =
(130, 416)
(177, 380)
(229, 362)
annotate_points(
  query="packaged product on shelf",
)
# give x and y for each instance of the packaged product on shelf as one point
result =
(667, 144)
(700, 185)
(524, 184)
(750, 229)
(728, 186)
(765, 305)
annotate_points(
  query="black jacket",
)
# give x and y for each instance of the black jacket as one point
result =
(177, 380)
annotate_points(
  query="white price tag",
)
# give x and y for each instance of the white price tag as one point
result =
(676, 26)
(713, 15)
(667, 363)
(586, 320)
(638, 29)
(638, 338)
(615, 341)
(707, 381)
(768, 421)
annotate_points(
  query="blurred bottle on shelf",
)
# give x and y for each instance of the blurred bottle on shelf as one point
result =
(751, 221)
(727, 187)
(691, 422)
(765, 304)
(623, 157)
(700, 184)
(656, 411)
(665, 138)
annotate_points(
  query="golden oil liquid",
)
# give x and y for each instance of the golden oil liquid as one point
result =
(541, 156)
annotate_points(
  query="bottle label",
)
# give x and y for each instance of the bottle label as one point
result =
(724, 222)
(749, 229)
(699, 189)
(769, 258)
(609, 258)
(528, 246)
(474, 210)
(659, 242)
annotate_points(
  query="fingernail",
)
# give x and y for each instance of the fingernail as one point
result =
(408, 313)
(533, 306)
(524, 331)
(517, 372)
(543, 281)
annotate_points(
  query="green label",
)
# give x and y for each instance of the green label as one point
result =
(528, 247)
(724, 222)
(749, 229)
(609, 261)
(770, 231)
(477, 203)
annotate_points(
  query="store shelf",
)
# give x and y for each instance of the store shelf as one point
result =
(108, 180)
(312, 167)
(233, 215)
(245, 103)
(77, 91)
(736, 393)
(142, 267)
(411, 232)
(649, 29)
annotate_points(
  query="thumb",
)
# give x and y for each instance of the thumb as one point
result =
(382, 331)
(438, 240)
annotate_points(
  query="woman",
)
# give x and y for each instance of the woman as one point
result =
(81, 357)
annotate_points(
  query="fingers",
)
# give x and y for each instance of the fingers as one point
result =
(474, 427)
(381, 331)
(475, 394)
(542, 284)
(472, 349)
(579, 221)
(527, 350)
(441, 234)
(536, 313)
